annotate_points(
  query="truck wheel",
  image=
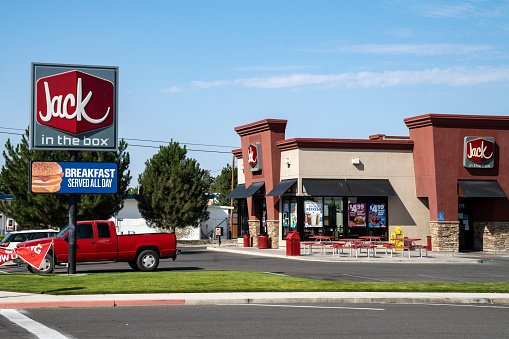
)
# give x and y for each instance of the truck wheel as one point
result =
(147, 260)
(46, 266)
(133, 265)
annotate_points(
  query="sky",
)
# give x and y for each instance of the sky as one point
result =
(192, 71)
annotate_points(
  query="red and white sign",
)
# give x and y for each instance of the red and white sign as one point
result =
(253, 157)
(252, 153)
(479, 152)
(33, 255)
(75, 102)
(6, 255)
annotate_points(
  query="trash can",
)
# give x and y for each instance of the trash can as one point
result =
(263, 241)
(246, 240)
(292, 244)
(429, 243)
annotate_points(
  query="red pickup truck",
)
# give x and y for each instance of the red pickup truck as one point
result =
(97, 241)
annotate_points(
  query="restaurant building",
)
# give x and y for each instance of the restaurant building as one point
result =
(445, 182)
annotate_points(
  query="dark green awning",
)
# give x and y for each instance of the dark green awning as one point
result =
(282, 187)
(241, 191)
(326, 187)
(481, 189)
(371, 188)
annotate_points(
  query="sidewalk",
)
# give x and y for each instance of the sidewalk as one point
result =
(316, 255)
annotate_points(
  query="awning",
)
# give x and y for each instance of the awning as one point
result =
(241, 191)
(253, 188)
(326, 187)
(371, 188)
(238, 192)
(481, 189)
(282, 187)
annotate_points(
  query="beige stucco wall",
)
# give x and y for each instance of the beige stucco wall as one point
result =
(241, 178)
(405, 210)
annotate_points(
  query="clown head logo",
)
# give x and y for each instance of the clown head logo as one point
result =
(253, 157)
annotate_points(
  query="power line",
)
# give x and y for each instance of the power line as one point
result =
(183, 143)
(188, 149)
(146, 140)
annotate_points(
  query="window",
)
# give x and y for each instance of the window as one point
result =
(84, 231)
(289, 215)
(103, 230)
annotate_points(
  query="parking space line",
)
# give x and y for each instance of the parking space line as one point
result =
(309, 306)
(32, 326)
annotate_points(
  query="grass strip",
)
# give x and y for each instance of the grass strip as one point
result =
(219, 281)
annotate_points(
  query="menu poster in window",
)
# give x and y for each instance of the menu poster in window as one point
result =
(286, 214)
(377, 216)
(313, 214)
(293, 215)
(357, 215)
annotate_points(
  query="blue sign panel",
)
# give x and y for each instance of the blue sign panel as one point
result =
(441, 216)
(73, 177)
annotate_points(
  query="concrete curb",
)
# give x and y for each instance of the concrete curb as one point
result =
(14, 301)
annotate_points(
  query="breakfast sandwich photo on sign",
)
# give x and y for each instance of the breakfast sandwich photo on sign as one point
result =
(46, 177)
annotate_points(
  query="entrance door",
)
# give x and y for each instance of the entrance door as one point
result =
(465, 218)
(263, 219)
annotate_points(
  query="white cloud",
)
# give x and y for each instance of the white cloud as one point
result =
(172, 89)
(208, 84)
(451, 77)
(467, 10)
(272, 68)
(460, 11)
(413, 49)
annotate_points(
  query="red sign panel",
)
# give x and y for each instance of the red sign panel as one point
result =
(480, 150)
(75, 102)
(252, 153)
(253, 157)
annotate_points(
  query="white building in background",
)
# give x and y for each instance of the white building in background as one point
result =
(7, 224)
(130, 221)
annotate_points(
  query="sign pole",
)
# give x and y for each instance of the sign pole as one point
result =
(73, 212)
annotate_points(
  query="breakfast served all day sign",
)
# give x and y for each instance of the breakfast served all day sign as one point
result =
(73, 177)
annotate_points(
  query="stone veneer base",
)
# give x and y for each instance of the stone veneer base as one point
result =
(444, 236)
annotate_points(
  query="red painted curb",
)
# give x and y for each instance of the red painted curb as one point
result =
(64, 303)
(91, 303)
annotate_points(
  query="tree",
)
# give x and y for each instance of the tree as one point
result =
(173, 190)
(222, 186)
(44, 210)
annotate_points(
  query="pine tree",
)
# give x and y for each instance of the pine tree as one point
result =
(173, 190)
(222, 186)
(52, 210)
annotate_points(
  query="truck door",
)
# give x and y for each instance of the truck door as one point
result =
(85, 242)
(106, 243)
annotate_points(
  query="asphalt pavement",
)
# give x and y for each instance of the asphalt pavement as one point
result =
(10, 300)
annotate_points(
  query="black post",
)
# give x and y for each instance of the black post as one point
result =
(73, 213)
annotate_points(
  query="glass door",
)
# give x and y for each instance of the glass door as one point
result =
(333, 216)
(466, 224)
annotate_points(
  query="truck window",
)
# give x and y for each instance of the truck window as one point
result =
(84, 231)
(103, 230)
